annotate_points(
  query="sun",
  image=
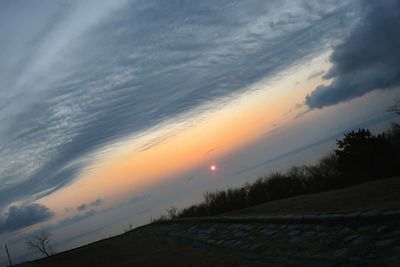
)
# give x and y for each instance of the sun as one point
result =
(213, 168)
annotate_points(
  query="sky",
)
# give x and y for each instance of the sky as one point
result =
(113, 111)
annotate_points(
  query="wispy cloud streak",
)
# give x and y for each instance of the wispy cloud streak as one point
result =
(79, 77)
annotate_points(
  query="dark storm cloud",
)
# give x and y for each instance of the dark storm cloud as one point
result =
(79, 78)
(368, 59)
(18, 217)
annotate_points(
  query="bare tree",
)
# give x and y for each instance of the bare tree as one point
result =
(172, 212)
(41, 242)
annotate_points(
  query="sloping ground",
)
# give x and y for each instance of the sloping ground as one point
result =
(377, 195)
(369, 238)
(145, 246)
(354, 239)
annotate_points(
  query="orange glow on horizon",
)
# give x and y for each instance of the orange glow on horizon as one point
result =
(212, 135)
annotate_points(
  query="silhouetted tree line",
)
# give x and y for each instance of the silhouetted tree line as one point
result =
(360, 156)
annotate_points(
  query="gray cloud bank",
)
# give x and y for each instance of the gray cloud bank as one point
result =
(77, 76)
(19, 217)
(94, 203)
(368, 59)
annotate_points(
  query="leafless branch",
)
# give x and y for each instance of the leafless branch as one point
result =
(41, 242)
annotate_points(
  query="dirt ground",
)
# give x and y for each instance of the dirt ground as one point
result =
(142, 248)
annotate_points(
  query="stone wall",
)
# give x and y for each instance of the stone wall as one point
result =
(369, 238)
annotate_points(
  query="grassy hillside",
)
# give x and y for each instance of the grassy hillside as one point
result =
(376, 195)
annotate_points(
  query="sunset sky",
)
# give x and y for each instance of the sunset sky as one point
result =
(113, 111)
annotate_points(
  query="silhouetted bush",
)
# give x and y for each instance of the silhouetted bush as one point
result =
(359, 157)
(172, 212)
